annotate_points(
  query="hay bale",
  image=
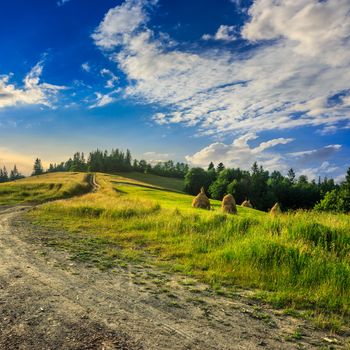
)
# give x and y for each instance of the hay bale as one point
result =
(275, 210)
(228, 204)
(247, 204)
(201, 201)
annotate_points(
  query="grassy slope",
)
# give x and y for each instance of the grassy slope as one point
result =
(297, 260)
(41, 188)
(160, 181)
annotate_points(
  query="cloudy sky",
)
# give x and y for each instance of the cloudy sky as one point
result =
(229, 81)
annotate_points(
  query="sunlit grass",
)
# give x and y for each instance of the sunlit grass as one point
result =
(159, 181)
(299, 260)
(37, 189)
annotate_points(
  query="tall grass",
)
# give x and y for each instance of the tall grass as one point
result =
(300, 260)
(38, 189)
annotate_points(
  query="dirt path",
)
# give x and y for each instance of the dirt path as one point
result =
(48, 302)
(94, 185)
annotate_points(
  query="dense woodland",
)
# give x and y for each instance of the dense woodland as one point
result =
(258, 185)
(264, 189)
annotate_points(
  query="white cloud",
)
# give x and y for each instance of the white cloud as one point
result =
(86, 67)
(112, 78)
(311, 163)
(241, 154)
(324, 170)
(339, 179)
(156, 157)
(156, 154)
(102, 100)
(120, 22)
(327, 130)
(314, 162)
(279, 84)
(31, 93)
(316, 153)
(62, 2)
(317, 28)
(224, 33)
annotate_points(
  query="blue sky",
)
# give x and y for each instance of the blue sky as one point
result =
(196, 81)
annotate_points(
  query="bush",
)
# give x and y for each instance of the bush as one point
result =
(332, 201)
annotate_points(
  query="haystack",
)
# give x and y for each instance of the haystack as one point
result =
(275, 210)
(228, 204)
(247, 204)
(201, 201)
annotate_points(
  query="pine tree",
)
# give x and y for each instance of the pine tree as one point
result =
(14, 174)
(211, 166)
(291, 175)
(5, 174)
(128, 160)
(37, 168)
(220, 167)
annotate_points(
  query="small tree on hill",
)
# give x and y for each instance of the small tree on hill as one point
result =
(15, 174)
(37, 168)
(3, 175)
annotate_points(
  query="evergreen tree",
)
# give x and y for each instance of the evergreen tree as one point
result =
(128, 160)
(37, 168)
(220, 167)
(291, 175)
(3, 175)
(135, 165)
(260, 195)
(211, 166)
(15, 174)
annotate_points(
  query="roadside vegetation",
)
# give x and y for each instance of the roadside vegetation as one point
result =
(38, 189)
(299, 261)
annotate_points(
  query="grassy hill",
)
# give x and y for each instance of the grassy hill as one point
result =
(297, 261)
(155, 180)
(37, 189)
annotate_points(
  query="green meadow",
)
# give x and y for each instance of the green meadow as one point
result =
(298, 261)
(38, 189)
(168, 183)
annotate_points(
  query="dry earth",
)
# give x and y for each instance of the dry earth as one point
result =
(49, 302)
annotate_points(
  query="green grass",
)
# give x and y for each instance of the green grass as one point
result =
(155, 180)
(298, 260)
(38, 189)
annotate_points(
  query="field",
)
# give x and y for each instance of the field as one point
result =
(159, 181)
(38, 189)
(298, 261)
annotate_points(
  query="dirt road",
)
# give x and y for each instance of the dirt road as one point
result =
(49, 302)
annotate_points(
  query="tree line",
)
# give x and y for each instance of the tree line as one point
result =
(264, 189)
(118, 161)
(258, 185)
(14, 174)
(338, 199)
